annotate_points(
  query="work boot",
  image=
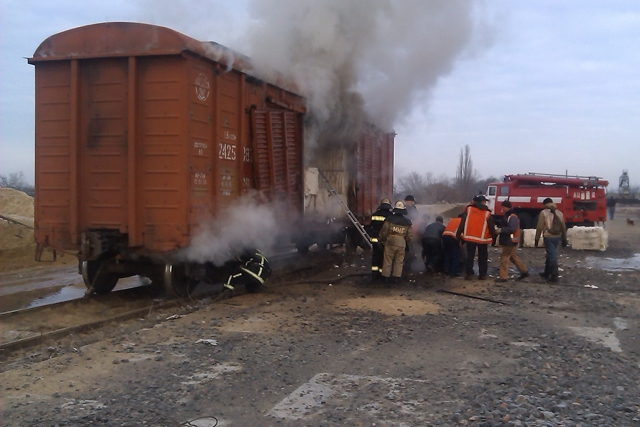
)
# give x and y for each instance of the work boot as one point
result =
(501, 280)
(468, 277)
(523, 276)
(545, 276)
(552, 279)
(483, 277)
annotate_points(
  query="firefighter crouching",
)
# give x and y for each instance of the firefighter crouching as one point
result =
(251, 270)
(395, 235)
(377, 220)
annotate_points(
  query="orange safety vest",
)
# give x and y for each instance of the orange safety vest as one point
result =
(515, 236)
(452, 227)
(476, 229)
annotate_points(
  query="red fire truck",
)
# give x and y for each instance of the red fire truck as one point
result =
(582, 199)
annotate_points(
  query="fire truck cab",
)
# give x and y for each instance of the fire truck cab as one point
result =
(581, 199)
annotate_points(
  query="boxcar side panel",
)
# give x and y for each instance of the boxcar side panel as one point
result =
(102, 144)
(200, 142)
(228, 106)
(162, 167)
(374, 163)
(53, 155)
(277, 157)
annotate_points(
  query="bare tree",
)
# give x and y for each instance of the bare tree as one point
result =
(465, 174)
(414, 184)
(17, 181)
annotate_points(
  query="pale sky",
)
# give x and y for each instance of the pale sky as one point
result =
(558, 89)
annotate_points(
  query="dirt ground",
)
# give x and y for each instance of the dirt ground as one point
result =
(336, 349)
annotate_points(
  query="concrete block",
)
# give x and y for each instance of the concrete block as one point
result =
(528, 238)
(588, 238)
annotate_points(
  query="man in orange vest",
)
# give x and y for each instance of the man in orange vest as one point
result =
(451, 247)
(508, 238)
(477, 229)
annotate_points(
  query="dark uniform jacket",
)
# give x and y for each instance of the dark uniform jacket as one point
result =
(509, 230)
(377, 221)
(433, 230)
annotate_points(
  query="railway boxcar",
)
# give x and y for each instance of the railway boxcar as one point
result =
(143, 133)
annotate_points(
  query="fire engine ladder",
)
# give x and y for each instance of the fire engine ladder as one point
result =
(350, 214)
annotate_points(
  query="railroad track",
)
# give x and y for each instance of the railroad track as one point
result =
(35, 326)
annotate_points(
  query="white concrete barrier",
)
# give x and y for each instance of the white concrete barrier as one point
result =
(588, 238)
(528, 238)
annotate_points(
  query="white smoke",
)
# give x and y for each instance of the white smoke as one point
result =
(248, 224)
(374, 58)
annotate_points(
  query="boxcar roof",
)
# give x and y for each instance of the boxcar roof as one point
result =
(117, 39)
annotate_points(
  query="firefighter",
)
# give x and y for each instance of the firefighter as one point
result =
(377, 220)
(251, 269)
(396, 236)
(554, 231)
(508, 238)
(451, 247)
(477, 229)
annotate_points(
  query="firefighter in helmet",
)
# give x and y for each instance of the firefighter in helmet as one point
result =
(395, 235)
(251, 269)
(377, 220)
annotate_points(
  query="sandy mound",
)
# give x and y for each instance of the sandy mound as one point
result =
(17, 246)
(19, 207)
(15, 203)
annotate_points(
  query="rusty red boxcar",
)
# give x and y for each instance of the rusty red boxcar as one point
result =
(142, 133)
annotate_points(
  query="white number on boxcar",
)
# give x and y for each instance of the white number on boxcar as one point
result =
(227, 151)
(246, 154)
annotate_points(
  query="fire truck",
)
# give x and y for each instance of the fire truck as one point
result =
(582, 199)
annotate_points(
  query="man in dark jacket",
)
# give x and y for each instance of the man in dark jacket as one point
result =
(508, 238)
(410, 205)
(477, 229)
(432, 245)
(377, 220)
(395, 235)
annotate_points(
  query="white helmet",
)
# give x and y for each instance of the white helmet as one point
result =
(399, 205)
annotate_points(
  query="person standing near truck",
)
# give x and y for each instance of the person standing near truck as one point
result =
(477, 229)
(554, 232)
(508, 238)
(611, 206)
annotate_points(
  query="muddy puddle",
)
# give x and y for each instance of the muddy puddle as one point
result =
(614, 264)
(54, 294)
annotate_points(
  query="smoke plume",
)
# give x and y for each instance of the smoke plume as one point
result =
(247, 224)
(371, 59)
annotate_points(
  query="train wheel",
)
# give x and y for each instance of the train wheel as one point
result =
(94, 276)
(176, 282)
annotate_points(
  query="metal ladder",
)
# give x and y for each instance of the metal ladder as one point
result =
(350, 214)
